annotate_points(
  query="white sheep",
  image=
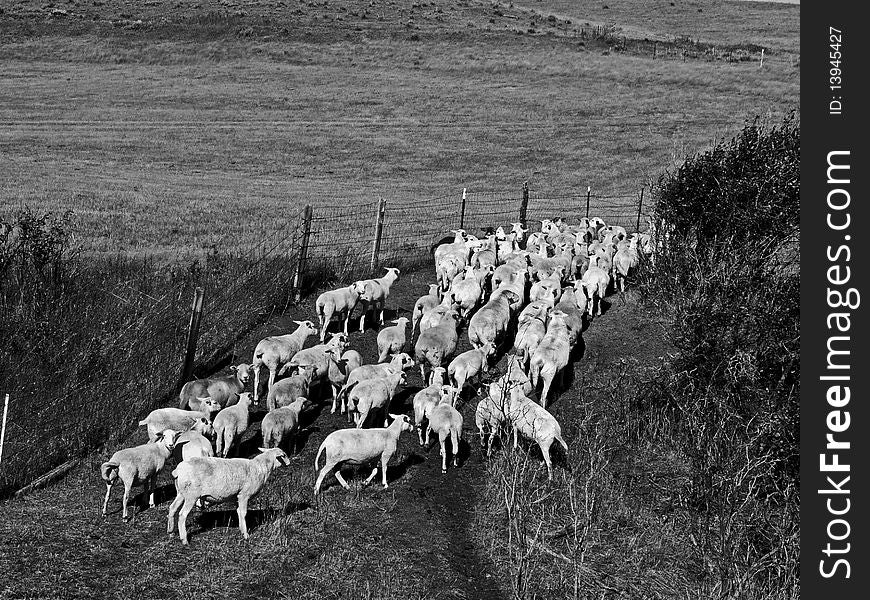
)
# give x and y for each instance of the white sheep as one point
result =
(224, 389)
(468, 292)
(573, 304)
(373, 395)
(373, 293)
(490, 324)
(339, 302)
(456, 246)
(424, 304)
(428, 396)
(360, 446)
(340, 369)
(177, 419)
(447, 269)
(218, 480)
(194, 441)
(624, 262)
(443, 311)
(391, 340)
(535, 423)
(399, 363)
(529, 334)
(446, 421)
(436, 344)
(288, 389)
(282, 423)
(471, 363)
(139, 463)
(552, 354)
(595, 281)
(230, 424)
(274, 351)
(320, 355)
(549, 288)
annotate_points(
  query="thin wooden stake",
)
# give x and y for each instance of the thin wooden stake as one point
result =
(639, 209)
(379, 231)
(462, 211)
(524, 206)
(3, 432)
(303, 252)
(588, 196)
(192, 334)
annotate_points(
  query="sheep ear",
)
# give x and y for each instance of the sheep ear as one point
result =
(233, 368)
(263, 449)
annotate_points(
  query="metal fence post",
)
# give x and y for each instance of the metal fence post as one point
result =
(303, 251)
(3, 431)
(192, 334)
(524, 206)
(761, 64)
(588, 196)
(462, 211)
(379, 230)
(639, 209)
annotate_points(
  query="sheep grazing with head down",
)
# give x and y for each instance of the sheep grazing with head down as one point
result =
(177, 419)
(224, 389)
(218, 480)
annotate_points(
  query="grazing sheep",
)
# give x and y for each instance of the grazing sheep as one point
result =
(225, 389)
(424, 304)
(595, 281)
(446, 422)
(391, 340)
(535, 423)
(177, 419)
(281, 424)
(194, 442)
(373, 395)
(230, 424)
(287, 390)
(339, 302)
(360, 446)
(374, 293)
(552, 354)
(274, 351)
(436, 344)
(218, 480)
(140, 463)
(469, 364)
(399, 363)
(490, 324)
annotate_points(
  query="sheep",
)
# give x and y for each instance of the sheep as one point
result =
(446, 421)
(287, 390)
(447, 269)
(194, 442)
(439, 313)
(277, 350)
(230, 424)
(319, 356)
(139, 463)
(573, 304)
(552, 354)
(359, 446)
(225, 389)
(530, 332)
(435, 344)
(341, 368)
(490, 324)
(491, 411)
(374, 293)
(595, 281)
(456, 246)
(515, 280)
(425, 398)
(339, 302)
(625, 261)
(424, 304)
(485, 254)
(399, 363)
(391, 340)
(282, 423)
(468, 292)
(471, 363)
(176, 419)
(218, 480)
(549, 288)
(536, 242)
(535, 423)
(373, 395)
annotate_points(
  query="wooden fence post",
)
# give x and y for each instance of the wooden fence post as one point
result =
(639, 209)
(588, 195)
(192, 334)
(524, 206)
(761, 64)
(655, 49)
(3, 431)
(303, 252)
(462, 211)
(379, 230)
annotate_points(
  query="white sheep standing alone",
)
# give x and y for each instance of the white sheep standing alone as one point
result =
(220, 479)
(339, 302)
(360, 446)
(230, 424)
(446, 421)
(140, 463)
(282, 423)
(391, 340)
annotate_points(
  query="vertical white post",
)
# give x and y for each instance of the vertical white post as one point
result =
(3, 431)
(761, 64)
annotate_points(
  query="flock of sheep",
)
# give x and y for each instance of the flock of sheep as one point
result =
(536, 294)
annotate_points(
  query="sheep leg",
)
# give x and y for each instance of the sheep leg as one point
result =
(322, 475)
(173, 511)
(428, 433)
(106, 501)
(385, 458)
(422, 372)
(242, 511)
(182, 520)
(341, 480)
(152, 485)
(454, 439)
(362, 318)
(442, 439)
(548, 381)
(256, 383)
(419, 434)
(372, 476)
(346, 320)
(127, 487)
(271, 379)
(545, 451)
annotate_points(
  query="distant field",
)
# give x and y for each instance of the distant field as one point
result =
(205, 126)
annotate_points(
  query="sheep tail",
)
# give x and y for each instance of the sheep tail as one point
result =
(317, 458)
(561, 441)
(109, 471)
(143, 422)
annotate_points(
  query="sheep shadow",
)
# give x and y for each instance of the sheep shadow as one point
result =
(404, 399)
(211, 519)
(358, 473)
(463, 453)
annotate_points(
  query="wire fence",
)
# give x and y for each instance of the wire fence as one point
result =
(98, 355)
